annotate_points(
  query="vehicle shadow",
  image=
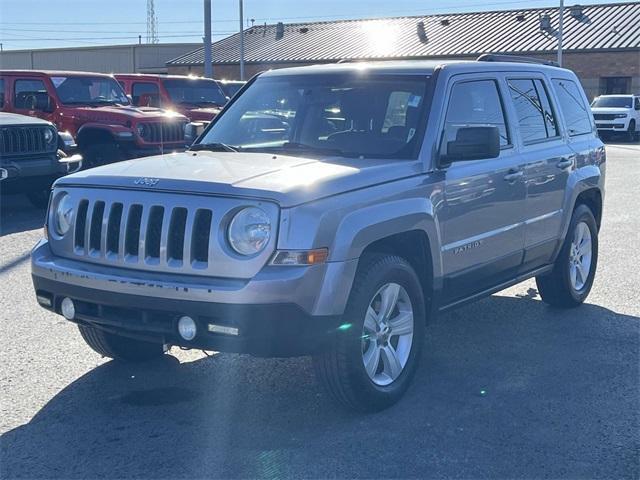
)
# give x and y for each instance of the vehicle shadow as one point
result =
(18, 215)
(508, 388)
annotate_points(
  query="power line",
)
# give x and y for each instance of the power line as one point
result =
(308, 17)
(106, 38)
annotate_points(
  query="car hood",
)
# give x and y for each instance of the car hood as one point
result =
(14, 119)
(610, 110)
(287, 180)
(109, 113)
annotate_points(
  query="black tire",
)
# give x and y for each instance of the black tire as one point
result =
(340, 368)
(556, 288)
(39, 198)
(98, 154)
(632, 135)
(120, 348)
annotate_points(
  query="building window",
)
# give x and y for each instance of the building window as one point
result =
(615, 85)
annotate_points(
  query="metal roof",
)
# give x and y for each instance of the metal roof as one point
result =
(611, 26)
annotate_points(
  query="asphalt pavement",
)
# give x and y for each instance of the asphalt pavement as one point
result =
(508, 388)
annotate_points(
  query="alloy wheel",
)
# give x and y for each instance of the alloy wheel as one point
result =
(580, 255)
(387, 334)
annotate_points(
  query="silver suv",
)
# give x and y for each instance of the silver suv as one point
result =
(332, 211)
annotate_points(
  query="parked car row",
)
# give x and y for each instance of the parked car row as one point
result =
(100, 118)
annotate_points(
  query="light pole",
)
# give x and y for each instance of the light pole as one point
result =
(241, 43)
(560, 19)
(208, 67)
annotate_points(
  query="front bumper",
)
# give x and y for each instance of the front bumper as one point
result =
(278, 313)
(35, 173)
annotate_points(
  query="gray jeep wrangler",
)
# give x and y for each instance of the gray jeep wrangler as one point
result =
(332, 211)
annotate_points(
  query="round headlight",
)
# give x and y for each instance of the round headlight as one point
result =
(141, 130)
(249, 231)
(48, 135)
(63, 214)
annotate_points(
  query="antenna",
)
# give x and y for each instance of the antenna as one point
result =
(152, 23)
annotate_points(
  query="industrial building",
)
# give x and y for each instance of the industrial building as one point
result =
(601, 43)
(138, 58)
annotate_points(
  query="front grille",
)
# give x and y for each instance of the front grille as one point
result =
(147, 234)
(157, 231)
(166, 132)
(24, 140)
(604, 116)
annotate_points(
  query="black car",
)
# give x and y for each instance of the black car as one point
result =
(32, 155)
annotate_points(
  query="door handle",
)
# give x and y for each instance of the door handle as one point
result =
(513, 175)
(566, 163)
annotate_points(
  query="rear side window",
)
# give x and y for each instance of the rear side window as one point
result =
(27, 93)
(148, 91)
(475, 103)
(1, 92)
(573, 107)
(533, 108)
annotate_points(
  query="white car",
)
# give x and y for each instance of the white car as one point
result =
(617, 113)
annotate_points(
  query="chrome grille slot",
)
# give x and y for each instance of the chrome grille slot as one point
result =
(153, 235)
(132, 233)
(113, 230)
(81, 223)
(95, 229)
(175, 244)
(200, 238)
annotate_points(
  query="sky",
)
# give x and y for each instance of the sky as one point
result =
(29, 24)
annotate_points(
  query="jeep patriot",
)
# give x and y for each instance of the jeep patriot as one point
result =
(331, 211)
(94, 109)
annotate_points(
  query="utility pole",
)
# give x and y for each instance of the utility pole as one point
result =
(560, 21)
(208, 66)
(241, 44)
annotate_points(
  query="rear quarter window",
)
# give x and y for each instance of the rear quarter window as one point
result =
(576, 113)
(1, 92)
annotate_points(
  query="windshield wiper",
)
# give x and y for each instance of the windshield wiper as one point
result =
(213, 147)
(311, 148)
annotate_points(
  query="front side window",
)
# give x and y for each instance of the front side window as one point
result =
(575, 112)
(195, 91)
(473, 104)
(341, 114)
(145, 94)
(1, 92)
(83, 90)
(533, 108)
(29, 94)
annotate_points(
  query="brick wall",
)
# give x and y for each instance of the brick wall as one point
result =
(589, 66)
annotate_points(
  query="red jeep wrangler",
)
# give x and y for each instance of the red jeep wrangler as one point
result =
(199, 99)
(94, 109)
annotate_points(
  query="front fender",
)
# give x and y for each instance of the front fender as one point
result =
(585, 178)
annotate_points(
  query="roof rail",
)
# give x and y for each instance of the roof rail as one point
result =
(491, 57)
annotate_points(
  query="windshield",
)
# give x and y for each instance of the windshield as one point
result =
(194, 91)
(89, 91)
(621, 102)
(231, 88)
(348, 115)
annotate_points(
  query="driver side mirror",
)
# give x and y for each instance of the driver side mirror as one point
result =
(472, 143)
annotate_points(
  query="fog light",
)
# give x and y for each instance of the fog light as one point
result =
(187, 328)
(68, 308)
